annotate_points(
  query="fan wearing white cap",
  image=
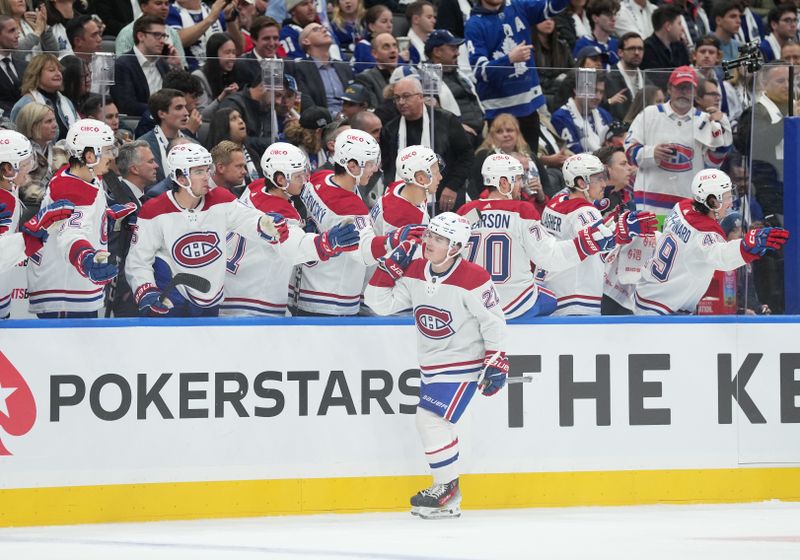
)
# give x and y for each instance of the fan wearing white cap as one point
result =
(67, 277)
(693, 246)
(460, 343)
(572, 214)
(331, 198)
(184, 231)
(258, 274)
(406, 201)
(507, 237)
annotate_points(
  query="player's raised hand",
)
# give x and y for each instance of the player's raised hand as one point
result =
(412, 231)
(273, 227)
(596, 238)
(46, 218)
(758, 241)
(635, 224)
(339, 239)
(396, 262)
(495, 373)
(94, 265)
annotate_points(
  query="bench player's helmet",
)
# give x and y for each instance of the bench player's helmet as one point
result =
(89, 134)
(284, 158)
(15, 150)
(709, 186)
(184, 157)
(581, 166)
(453, 227)
(497, 166)
(413, 159)
(358, 146)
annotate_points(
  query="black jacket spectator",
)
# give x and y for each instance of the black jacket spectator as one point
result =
(309, 81)
(116, 14)
(130, 90)
(375, 80)
(10, 91)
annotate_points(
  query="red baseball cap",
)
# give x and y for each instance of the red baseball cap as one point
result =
(683, 75)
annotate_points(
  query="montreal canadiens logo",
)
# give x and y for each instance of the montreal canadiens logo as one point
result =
(433, 323)
(680, 161)
(197, 249)
(17, 407)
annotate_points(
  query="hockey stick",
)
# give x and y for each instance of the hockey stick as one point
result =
(197, 283)
(519, 379)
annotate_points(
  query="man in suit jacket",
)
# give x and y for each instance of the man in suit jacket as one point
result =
(140, 72)
(384, 49)
(12, 66)
(137, 171)
(627, 78)
(317, 75)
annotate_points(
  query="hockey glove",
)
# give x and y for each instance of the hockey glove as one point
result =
(396, 262)
(758, 241)
(635, 224)
(119, 211)
(495, 373)
(150, 301)
(38, 225)
(338, 239)
(597, 238)
(5, 217)
(273, 227)
(410, 232)
(94, 265)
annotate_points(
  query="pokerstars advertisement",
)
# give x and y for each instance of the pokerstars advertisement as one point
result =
(85, 406)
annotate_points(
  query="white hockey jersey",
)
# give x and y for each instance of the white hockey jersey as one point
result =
(11, 200)
(697, 142)
(392, 211)
(623, 272)
(506, 241)
(690, 250)
(258, 274)
(458, 317)
(334, 287)
(579, 289)
(190, 241)
(54, 283)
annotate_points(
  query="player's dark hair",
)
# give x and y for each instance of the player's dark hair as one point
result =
(700, 207)
(338, 169)
(664, 15)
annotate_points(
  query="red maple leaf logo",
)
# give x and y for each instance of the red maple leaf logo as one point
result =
(17, 407)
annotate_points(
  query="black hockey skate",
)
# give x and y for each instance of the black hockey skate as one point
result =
(438, 502)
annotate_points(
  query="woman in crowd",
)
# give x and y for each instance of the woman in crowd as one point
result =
(77, 80)
(377, 20)
(42, 83)
(573, 23)
(34, 33)
(552, 56)
(221, 74)
(38, 123)
(347, 23)
(228, 124)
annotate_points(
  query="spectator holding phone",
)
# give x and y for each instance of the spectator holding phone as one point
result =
(670, 142)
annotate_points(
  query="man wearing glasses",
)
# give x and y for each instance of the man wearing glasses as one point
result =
(626, 79)
(670, 142)
(140, 72)
(782, 21)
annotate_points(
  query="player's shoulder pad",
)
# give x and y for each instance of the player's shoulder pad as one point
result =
(467, 275)
(398, 212)
(64, 186)
(264, 202)
(564, 204)
(157, 206)
(416, 270)
(699, 221)
(341, 201)
(526, 210)
(218, 195)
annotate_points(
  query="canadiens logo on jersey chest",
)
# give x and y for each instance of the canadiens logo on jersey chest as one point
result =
(196, 249)
(433, 322)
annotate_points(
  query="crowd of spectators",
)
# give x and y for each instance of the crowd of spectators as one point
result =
(541, 78)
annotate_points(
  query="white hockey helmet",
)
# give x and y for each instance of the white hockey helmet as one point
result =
(89, 134)
(184, 157)
(284, 158)
(413, 159)
(451, 226)
(497, 166)
(356, 145)
(15, 150)
(581, 166)
(708, 183)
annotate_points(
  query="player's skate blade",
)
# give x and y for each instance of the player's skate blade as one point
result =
(438, 501)
(450, 511)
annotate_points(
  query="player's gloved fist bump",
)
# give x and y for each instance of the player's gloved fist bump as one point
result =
(119, 211)
(273, 227)
(635, 224)
(396, 262)
(495, 373)
(338, 239)
(94, 265)
(150, 302)
(596, 238)
(758, 241)
(38, 225)
(410, 232)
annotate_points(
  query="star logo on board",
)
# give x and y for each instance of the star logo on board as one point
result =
(17, 406)
(5, 392)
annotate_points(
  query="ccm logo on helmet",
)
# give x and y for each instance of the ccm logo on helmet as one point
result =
(196, 249)
(405, 157)
(433, 322)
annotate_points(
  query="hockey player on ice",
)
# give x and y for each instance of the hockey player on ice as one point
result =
(460, 343)
(184, 230)
(579, 290)
(693, 246)
(507, 237)
(258, 275)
